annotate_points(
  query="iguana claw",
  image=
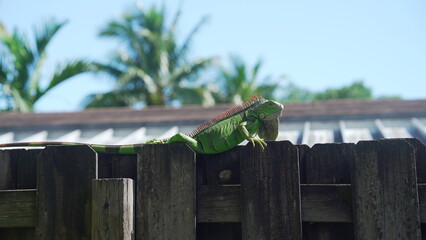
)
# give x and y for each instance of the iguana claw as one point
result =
(261, 142)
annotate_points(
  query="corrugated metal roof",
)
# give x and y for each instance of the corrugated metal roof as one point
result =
(322, 109)
(302, 123)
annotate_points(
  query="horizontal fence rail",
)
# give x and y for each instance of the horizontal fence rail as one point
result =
(369, 190)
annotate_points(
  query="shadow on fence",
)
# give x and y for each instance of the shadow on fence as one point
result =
(371, 190)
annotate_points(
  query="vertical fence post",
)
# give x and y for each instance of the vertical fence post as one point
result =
(64, 177)
(165, 202)
(113, 209)
(270, 191)
(385, 198)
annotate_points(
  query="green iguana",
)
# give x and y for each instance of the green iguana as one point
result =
(256, 116)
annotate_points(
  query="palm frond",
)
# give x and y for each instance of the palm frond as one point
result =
(107, 68)
(21, 57)
(175, 21)
(44, 34)
(21, 103)
(198, 95)
(255, 71)
(154, 64)
(125, 32)
(62, 73)
(189, 69)
(3, 71)
(115, 98)
(35, 77)
(182, 51)
(147, 82)
(3, 31)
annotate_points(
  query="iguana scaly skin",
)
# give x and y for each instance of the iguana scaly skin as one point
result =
(257, 116)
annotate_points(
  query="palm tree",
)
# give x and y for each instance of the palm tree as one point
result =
(241, 82)
(21, 63)
(153, 68)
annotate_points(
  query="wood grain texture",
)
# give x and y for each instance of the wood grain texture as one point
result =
(420, 149)
(17, 208)
(113, 209)
(64, 176)
(166, 192)
(320, 203)
(219, 203)
(270, 192)
(329, 164)
(221, 168)
(385, 190)
(18, 169)
(26, 233)
(326, 203)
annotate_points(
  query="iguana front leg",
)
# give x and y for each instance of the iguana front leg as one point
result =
(243, 130)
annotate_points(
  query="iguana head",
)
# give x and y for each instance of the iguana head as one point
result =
(268, 113)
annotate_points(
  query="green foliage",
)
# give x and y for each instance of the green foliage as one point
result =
(240, 82)
(293, 93)
(356, 90)
(153, 68)
(21, 63)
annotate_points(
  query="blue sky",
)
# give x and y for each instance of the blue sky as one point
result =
(316, 44)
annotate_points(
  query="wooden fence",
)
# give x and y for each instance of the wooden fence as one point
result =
(371, 190)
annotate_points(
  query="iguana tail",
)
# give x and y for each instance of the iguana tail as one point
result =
(114, 149)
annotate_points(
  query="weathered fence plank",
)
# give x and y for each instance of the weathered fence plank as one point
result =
(17, 233)
(320, 203)
(222, 168)
(270, 192)
(18, 171)
(218, 203)
(217, 174)
(166, 192)
(17, 208)
(385, 191)
(420, 149)
(64, 176)
(329, 164)
(326, 203)
(112, 209)
(386, 202)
